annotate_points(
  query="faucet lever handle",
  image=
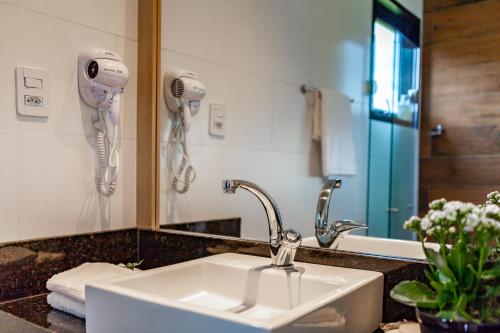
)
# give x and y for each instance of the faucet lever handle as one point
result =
(288, 248)
(291, 239)
(346, 225)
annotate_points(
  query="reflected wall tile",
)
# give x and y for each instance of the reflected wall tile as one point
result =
(291, 119)
(251, 45)
(287, 178)
(203, 200)
(249, 115)
(195, 28)
(292, 49)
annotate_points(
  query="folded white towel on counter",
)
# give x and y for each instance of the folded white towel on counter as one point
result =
(66, 304)
(337, 139)
(72, 283)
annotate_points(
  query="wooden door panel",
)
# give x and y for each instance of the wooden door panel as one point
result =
(460, 90)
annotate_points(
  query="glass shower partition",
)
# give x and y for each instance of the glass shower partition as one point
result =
(394, 116)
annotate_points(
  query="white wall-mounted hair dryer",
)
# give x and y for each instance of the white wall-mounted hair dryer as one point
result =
(102, 76)
(183, 95)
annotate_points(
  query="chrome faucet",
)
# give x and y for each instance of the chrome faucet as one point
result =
(327, 236)
(283, 244)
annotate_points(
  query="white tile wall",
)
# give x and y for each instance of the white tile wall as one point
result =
(291, 130)
(118, 17)
(9, 176)
(48, 184)
(253, 55)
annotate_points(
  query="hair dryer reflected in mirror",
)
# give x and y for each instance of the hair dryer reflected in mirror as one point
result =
(183, 95)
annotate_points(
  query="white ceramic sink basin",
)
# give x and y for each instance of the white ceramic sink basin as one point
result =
(237, 293)
(378, 246)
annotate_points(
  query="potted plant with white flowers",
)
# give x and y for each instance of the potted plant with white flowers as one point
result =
(462, 293)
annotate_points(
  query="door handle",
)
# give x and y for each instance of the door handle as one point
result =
(392, 209)
(437, 131)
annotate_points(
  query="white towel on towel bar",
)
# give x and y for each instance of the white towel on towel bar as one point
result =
(337, 142)
(314, 104)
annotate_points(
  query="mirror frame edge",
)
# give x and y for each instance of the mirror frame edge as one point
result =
(148, 111)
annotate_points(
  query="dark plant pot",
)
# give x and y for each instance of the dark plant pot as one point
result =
(432, 324)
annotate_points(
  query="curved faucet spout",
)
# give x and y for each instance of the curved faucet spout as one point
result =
(272, 211)
(283, 244)
(324, 202)
(326, 236)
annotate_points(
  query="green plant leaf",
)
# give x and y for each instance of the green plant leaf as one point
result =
(492, 292)
(470, 277)
(443, 298)
(437, 286)
(431, 276)
(458, 260)
(461, 304)
(446, 278)
(444, 273)
(435, 258)
(414, 293)
(134, 265)
(449, 315)
(493, 273)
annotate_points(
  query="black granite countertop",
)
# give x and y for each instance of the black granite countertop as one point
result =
(26, 266)
(37, 316)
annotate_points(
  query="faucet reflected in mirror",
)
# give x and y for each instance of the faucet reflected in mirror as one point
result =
(283, 244)
(327, 236)
(260, 121)
(359, 64)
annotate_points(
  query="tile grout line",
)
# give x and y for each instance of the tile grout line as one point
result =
(23, 298)
(67, 20)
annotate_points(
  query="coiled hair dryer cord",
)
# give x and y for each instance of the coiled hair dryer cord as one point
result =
(107, 156)
(184, 174)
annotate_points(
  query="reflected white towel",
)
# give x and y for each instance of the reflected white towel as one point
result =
(72, 283)
(314, 104)
(66, 304)
(337, 143)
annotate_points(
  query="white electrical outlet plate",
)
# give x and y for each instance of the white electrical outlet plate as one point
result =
(32, 92)
(217, 121)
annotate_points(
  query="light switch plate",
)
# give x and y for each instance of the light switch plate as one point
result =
(217, 121)
(32, 90)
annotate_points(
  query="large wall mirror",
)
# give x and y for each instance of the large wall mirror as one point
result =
(287, 95)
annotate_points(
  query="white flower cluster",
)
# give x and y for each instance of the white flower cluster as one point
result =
(486, 218)
(493, 198)
(446, 218)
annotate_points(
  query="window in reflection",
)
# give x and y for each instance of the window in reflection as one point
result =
(396, 61)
